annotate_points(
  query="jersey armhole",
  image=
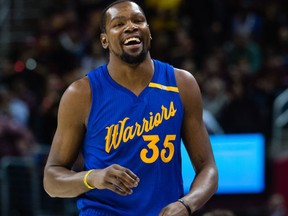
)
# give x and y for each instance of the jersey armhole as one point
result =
(90, 78)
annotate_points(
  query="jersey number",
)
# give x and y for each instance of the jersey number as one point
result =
(154, 149)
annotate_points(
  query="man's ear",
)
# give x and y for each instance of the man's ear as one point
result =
(104, 40)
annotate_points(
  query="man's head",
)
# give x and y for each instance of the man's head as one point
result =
(103, 17)
(125, 31)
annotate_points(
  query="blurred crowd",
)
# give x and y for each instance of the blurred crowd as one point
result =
(237, 51)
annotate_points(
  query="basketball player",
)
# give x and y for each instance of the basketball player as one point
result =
(127, 118)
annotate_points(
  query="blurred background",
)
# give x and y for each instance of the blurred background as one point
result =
(236, 49)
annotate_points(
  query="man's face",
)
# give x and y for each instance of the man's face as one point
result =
(127, 33)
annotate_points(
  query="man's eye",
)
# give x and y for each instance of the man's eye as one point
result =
(139, 21)
(118, 24)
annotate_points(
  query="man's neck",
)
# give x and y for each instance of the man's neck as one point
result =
(134, 77)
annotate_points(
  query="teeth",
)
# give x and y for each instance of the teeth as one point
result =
(132, 39)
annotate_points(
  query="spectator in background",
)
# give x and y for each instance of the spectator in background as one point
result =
(94, 57)
(215, 95)
(277, 206)
(240, 114)
(14, 107)
(211, 123)
(15, 139)
(183, 49)
(165, 13)
(47, 111)
(271, 24)
(246, 22)
(243, 52)
(281, 50)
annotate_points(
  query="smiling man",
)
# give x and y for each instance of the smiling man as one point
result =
(127, 118)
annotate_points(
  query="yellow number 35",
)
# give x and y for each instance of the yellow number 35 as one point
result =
(154, 149)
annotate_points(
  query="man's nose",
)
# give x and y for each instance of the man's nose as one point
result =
(131, 26)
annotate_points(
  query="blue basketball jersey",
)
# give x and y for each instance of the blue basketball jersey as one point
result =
(141, 133)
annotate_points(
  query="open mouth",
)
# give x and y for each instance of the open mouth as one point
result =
(132, 41)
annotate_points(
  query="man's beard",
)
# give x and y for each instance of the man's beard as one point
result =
(134, 59)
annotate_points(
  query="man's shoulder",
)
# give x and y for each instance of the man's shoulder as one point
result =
(163, 66)
(97, 70)
(79, 87)
(176, 70)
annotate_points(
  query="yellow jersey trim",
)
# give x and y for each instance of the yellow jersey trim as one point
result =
(163, 87)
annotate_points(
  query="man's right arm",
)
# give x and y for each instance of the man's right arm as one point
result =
(59, 179)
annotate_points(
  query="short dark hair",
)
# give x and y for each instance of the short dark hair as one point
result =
(103, 17)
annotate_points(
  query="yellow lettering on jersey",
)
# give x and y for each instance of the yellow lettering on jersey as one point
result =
(121, 132)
